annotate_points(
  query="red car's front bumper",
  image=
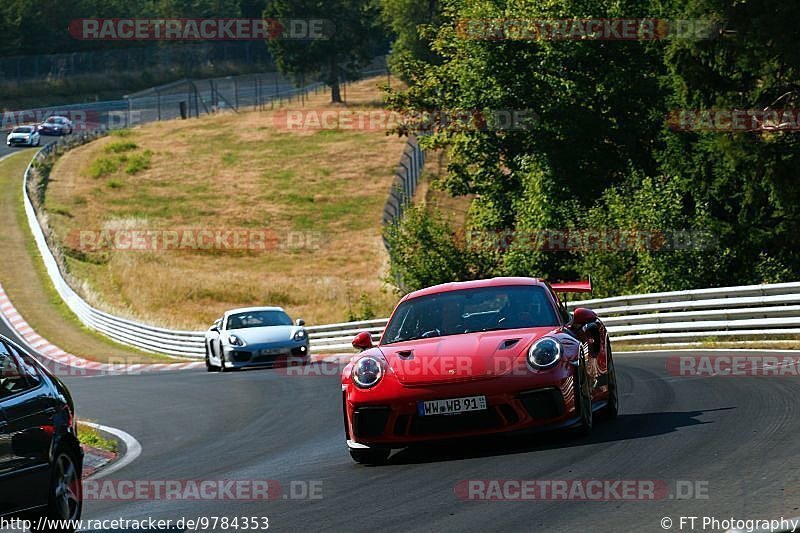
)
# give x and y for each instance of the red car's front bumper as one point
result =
(390, 418)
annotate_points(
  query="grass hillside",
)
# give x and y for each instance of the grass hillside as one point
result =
(317, 193)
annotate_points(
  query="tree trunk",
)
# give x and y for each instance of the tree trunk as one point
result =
(336, 95)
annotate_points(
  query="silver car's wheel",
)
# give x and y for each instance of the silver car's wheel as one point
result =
(209, 366)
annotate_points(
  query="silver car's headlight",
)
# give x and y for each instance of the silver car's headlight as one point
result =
(300, 335)
(235, 341)
(367, 372)
(544, 353)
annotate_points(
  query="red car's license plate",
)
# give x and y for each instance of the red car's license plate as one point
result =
(452, 406)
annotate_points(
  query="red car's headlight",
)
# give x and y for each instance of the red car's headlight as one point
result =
(544, 353)
(367, 372)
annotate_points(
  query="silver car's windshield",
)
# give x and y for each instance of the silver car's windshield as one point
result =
(471, 310)
(23, 129)
(258, 319)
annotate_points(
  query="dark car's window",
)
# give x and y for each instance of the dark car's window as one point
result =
(27, 366)
(12, 377)
(258, 319)
(470, 310)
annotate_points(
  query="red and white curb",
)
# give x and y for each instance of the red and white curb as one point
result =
(53, 353)
(81, 366)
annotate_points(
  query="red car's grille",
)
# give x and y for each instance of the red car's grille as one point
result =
(466, 422)
(370, 421)
(543, 403)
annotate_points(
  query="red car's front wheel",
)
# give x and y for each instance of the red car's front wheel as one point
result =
(583, 398)
(612, 409)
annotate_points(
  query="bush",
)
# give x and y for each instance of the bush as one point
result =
(365, 310)
(139, 162)
(118, 147)
(103, 166)
(424, 251)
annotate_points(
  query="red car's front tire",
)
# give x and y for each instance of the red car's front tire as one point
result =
(611, 410)
(583, 400)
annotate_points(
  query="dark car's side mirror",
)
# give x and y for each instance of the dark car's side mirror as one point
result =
(582, 316)
(300, 322)
(363, 341)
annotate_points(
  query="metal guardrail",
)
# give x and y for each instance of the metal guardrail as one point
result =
(124, 331)
(660, 318)
(136, 334)
(747, 311)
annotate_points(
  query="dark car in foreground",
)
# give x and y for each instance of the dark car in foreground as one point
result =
(40, 457)
(475, 358)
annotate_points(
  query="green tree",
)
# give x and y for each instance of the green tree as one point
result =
(425, 250)
(747, 180)
(352, 38)
(412, 24)
(601, 155)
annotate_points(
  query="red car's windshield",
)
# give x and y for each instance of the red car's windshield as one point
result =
(471, 310)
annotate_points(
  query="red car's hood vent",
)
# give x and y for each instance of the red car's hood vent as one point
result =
(455, 358)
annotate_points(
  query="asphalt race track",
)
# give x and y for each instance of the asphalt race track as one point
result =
(8, 150)
(735, 435)
(733, 438)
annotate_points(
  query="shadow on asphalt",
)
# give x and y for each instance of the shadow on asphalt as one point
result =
(624, 427)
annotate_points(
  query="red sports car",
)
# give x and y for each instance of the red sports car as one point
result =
(476, 358)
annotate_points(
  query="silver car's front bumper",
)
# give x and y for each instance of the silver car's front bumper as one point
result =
(271, 354)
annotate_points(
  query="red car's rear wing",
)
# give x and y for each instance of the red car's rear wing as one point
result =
(573, 286)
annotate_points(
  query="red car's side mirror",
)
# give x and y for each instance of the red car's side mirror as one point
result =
(363, 341)
(582, 316)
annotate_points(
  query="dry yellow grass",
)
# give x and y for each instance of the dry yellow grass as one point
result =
(25, 280)
(226, 172)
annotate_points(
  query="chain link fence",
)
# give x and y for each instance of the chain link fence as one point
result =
(190, 98)
(193, 98)
(404, 185)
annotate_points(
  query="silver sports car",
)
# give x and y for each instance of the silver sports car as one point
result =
(255, 336)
